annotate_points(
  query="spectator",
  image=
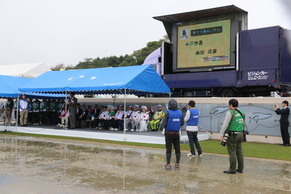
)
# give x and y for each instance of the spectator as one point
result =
(127, 116)
(134, 118)
(144, 117)
(44, 110)
(119, 118)
(8, 111)
(36, 112)
(91, 117)
(64, 115)
(54, 107)
(79, 115)
(72, 103)
(96, 116)
(103, 117)
(157, 118)
(23, 108)
(110, 119)
(90, 111)
(49, 111)
(83, 117)
(151, 112)
(30, 112)
(61, 104)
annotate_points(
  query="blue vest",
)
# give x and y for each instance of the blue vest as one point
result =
(174, 120)
(193, 120)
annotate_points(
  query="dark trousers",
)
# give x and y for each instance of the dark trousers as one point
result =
(234, 148)
(44, 118)
(172, 140)
(54, 118)
(35, 117)
(111, 123)
(73, 115)
(285, 133)
(120, 124)
(95, 123)
(103, 123)
(49, 116)
(193, 140)
(83, 123)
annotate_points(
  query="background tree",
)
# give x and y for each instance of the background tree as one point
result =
(136, 58)
(58, 67)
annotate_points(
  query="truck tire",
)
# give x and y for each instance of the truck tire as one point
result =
(227, 93)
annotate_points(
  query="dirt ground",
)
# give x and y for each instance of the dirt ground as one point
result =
(38, 165)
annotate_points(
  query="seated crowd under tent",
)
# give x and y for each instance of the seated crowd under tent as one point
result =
(101, 117)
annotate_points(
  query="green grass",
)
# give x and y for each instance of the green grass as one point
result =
(256, 150)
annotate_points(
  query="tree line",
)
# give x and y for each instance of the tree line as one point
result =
(136, 58)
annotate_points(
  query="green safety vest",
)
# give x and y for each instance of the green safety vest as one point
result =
(159, 115)
(237, 121)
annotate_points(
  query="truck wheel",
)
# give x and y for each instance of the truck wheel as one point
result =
(227, 93)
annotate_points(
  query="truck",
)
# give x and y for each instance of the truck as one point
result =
(212, 53)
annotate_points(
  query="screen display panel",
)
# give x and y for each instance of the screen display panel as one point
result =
(204, 45)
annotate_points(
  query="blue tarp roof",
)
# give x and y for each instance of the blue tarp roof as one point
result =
(141, 79)
(11, 84)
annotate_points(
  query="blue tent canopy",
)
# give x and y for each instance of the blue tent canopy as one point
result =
(11, 84)
(141, 79)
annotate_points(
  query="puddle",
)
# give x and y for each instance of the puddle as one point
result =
(32, 165)
(6, 179)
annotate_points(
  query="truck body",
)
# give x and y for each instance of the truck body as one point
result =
(260, 63)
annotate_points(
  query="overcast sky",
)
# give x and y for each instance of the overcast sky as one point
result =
(67, 31)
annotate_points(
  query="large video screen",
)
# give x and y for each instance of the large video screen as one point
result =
(204, 45)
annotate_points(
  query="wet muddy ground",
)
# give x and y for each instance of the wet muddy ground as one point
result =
(37, 165)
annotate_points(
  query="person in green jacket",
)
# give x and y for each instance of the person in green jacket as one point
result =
(233, 125)
(157, 118)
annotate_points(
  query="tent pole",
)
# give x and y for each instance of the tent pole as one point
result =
(17, 110)
(124, 117)
(66, 107)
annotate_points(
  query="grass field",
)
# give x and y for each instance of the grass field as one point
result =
(256, 150)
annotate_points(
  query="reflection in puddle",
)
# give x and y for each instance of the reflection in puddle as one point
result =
(6, 179)
(48, 166)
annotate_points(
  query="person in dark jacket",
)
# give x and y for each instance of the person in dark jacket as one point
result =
(79, 115)
(72, 104)
(8, 111)
(284, 122)
(172, 123)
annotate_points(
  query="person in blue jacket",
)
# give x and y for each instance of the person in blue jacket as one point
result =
(172, 123)
(191, 118)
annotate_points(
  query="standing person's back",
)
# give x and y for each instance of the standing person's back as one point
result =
(172, 123)
(191, 118)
